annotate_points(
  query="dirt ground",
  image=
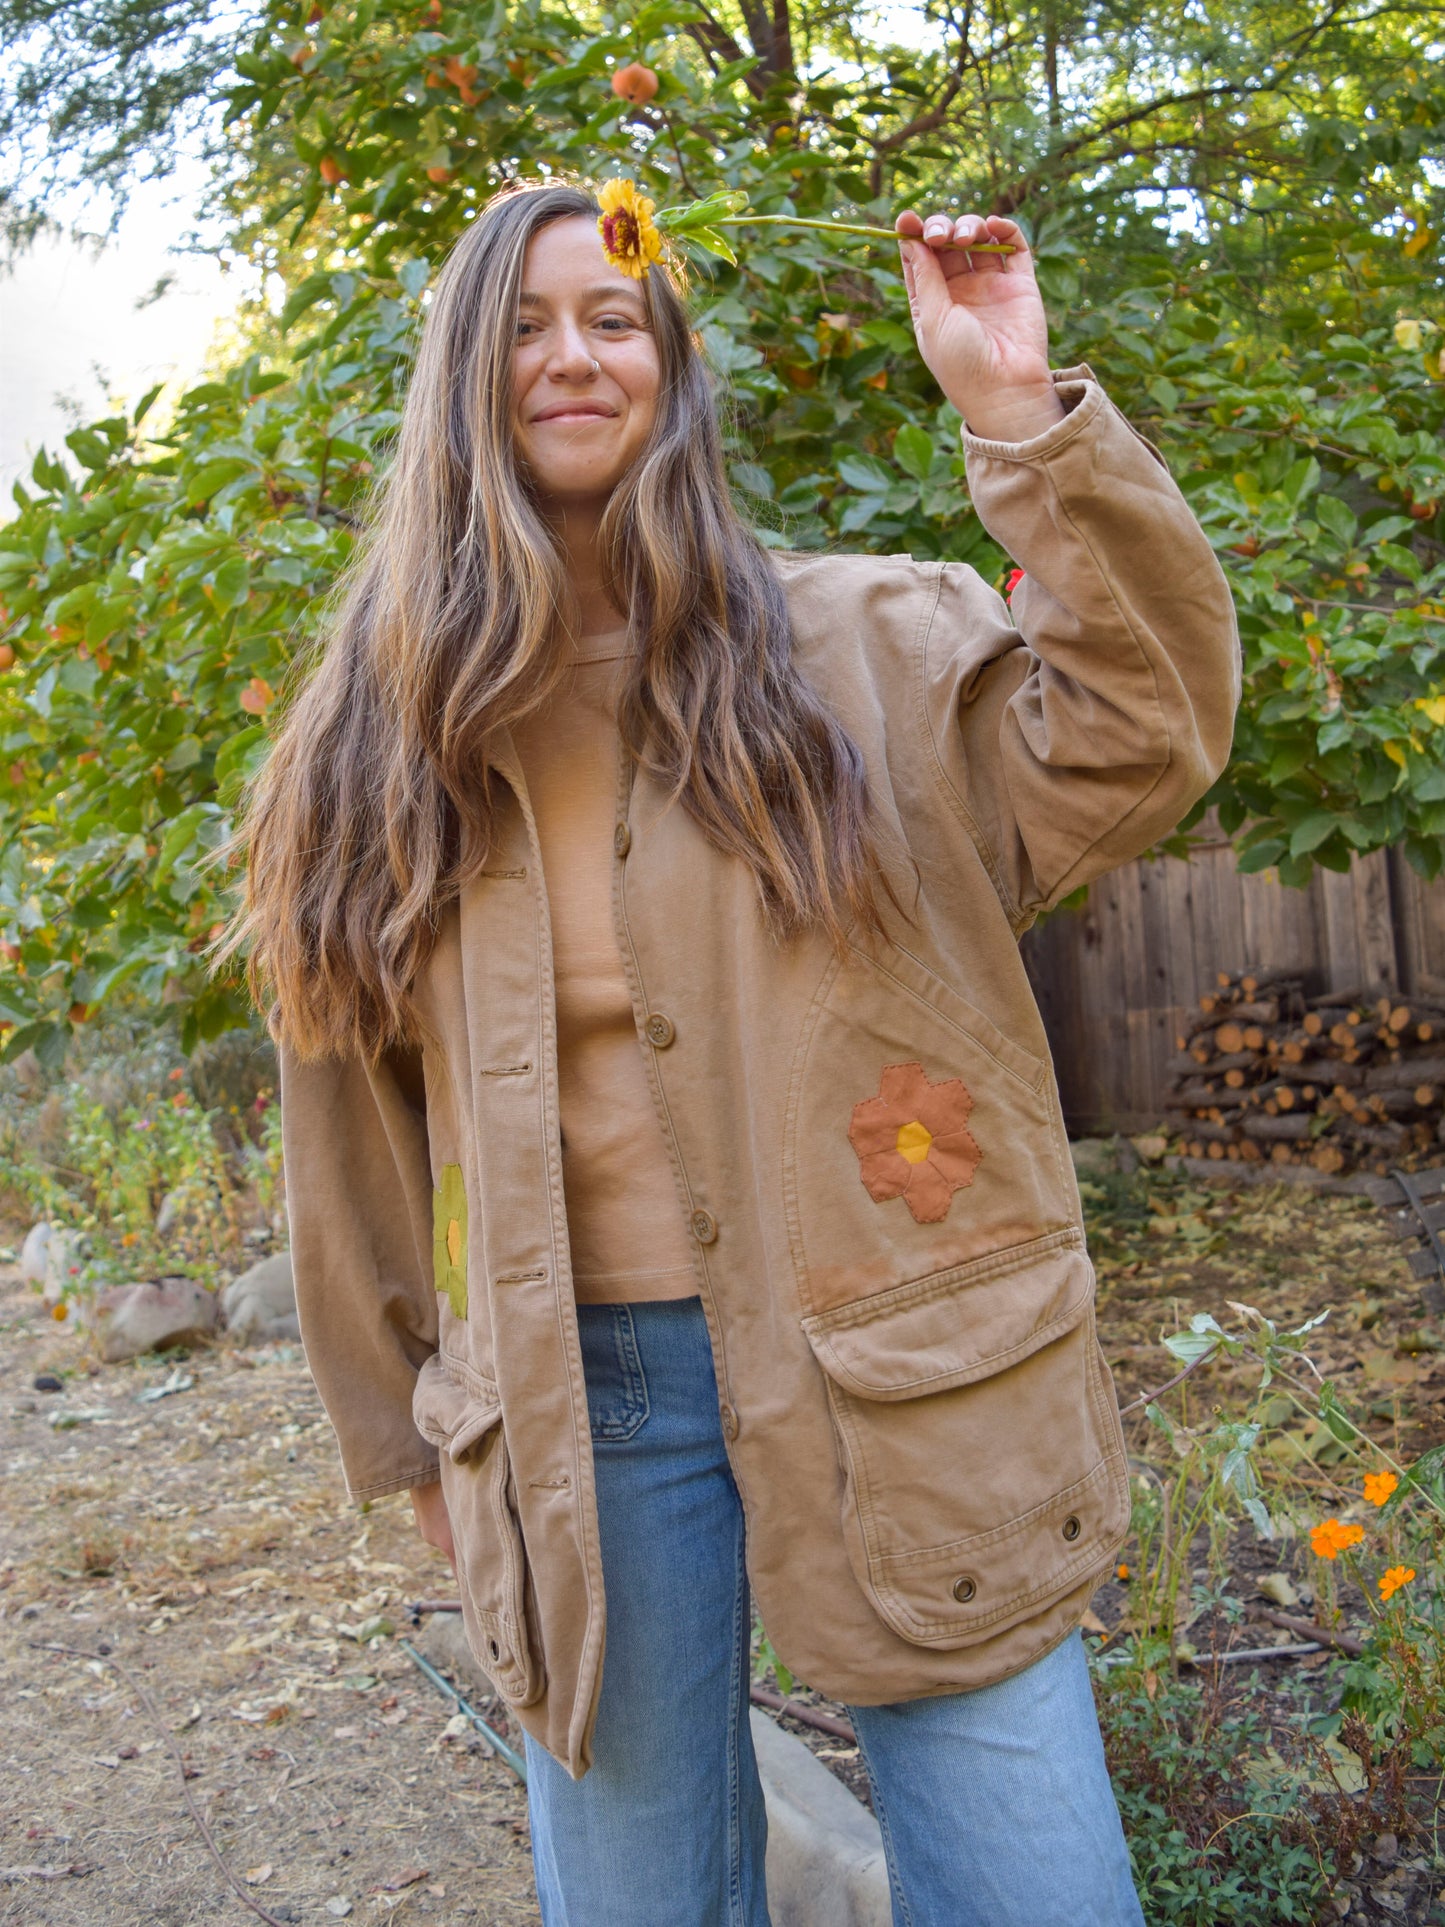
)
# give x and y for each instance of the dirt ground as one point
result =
(203, 1539)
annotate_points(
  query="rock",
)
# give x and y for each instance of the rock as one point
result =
(131, 1319)
(443, 1642)
(1095, 1157)
(33, 1253)
(260, 1305)
(47, 1382)
(166, 1214)
(825, 1852)
(65, 1256)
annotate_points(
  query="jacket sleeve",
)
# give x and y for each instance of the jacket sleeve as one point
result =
(359, 1203)
(1075, 736)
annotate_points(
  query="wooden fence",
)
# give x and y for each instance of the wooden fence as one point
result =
(1114, 979)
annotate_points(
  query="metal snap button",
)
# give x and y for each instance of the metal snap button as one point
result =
(622, 839)
(963, 1590)
(704, 1226)
(659, 1030)
(729, 1421)
(1072, 1528)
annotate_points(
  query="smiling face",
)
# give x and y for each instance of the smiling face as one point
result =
(585, 370)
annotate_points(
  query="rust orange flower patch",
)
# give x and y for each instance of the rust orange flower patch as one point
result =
(913, 1141)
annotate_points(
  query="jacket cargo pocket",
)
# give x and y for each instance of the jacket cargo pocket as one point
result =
(476, 1477)
(980, 1441)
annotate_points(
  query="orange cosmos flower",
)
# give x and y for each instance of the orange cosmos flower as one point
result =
(1330, 1538)
(1379, 1486)
(1391, 1581)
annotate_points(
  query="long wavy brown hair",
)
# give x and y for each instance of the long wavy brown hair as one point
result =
(376, 804)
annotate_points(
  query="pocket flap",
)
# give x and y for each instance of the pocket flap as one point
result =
(450, 1413)
(957, 1325)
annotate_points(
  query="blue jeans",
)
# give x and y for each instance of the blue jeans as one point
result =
(995, 1805)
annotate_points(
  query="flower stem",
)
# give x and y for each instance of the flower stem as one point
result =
(852, 227)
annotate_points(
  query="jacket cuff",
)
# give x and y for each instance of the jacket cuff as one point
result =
(425, 1473)
(1084, 401)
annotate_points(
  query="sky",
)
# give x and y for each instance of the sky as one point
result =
(71, 331)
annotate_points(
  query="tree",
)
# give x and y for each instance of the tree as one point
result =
(1282, 348)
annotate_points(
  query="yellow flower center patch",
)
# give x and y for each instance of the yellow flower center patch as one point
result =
(913, 1141)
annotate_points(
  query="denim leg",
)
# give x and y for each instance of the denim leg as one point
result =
(667, 1827)
(996, 1806)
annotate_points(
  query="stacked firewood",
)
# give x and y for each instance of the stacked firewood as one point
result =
(1351, 1080)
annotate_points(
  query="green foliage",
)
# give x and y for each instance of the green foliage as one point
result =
(1207, 1851)
(765, 1660)
(97, 1149)
(157, 589)
(1223, 1827)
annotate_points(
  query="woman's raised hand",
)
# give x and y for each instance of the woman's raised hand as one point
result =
(980, 322)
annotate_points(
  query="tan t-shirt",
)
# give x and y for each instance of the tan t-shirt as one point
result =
(624, 1218)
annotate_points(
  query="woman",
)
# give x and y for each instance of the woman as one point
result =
(678, 1192)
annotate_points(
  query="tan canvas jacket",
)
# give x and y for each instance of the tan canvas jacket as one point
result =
(870, 1156)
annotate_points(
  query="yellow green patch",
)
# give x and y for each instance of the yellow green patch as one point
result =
(449, 1238)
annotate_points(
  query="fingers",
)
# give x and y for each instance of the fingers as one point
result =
(954, 233)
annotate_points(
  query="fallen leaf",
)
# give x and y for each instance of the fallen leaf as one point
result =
(255, 1876)
(1092, 1623)
(1276, 1586)
(1346, 1767)
(338, 1905)
(407, 1879)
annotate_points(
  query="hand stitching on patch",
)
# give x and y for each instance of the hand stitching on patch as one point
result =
(913, 1141)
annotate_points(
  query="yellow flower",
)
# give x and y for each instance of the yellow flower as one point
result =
(1433, 707)
(1330, 1538)
(1391, 1581)
(629, 235)
(1379, 1486)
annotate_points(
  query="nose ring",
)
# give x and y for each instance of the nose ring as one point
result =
(596, 366)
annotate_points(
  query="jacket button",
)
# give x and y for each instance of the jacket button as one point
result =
(963, 1590)
(659, 1030)
(729, 1421)
(704, 1226)
(622, 839)
(1071, 1527)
